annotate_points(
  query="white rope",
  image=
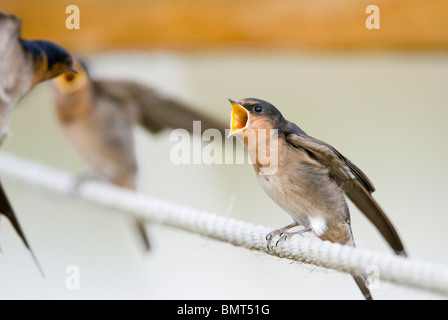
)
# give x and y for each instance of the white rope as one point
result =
(399, 270)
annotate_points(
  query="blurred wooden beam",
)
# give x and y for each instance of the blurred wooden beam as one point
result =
(324, 25)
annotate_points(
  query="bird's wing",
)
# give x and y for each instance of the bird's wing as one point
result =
(14, 84)
(353, 181)
(157, 111)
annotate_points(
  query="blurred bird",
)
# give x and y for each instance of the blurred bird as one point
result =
(97, 117)
(310, 179)
(23, 64)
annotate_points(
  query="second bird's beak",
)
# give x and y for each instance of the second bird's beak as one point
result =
(71, 80)
(72, 69)
(238, 118)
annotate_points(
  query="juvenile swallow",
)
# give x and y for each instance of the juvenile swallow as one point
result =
(97, 116)
(310, 180)
(23, 64)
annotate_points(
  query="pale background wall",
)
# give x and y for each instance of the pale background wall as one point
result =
(384, 110)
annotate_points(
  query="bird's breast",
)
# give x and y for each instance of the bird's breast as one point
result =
(304, 191)
(86, 140)
(287, 195)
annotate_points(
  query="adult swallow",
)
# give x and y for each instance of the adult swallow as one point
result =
(310, 180)
(97, 116)
(23, 64)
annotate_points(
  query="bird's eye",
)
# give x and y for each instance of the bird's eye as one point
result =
(258, 109)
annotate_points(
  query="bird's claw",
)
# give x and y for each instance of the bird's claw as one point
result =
(283, 235)
(279, 232)
(270, 236)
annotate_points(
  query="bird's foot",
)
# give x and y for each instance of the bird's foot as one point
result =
(286, 235)
(279, 232)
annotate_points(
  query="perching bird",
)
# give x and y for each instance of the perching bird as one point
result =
(23, 64)
(97, 117)
(310, 179)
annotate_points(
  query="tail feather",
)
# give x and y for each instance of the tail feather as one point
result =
(342, 233)
(361, 282)
(365, 202)
(7, 210)
(140, 226)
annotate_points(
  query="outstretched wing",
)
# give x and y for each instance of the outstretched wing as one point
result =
(353, 181)
(155, 110)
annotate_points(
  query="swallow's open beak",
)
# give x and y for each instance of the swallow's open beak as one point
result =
(238, 118)
(73, 72)
(70, 75)
(71, 80)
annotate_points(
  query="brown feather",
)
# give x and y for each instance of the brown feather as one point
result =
(8, 212)
(355, 184)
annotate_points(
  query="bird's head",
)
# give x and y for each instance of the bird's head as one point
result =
(251, 113)
(49, 59)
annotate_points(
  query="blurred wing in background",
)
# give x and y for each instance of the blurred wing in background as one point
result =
(98, 116)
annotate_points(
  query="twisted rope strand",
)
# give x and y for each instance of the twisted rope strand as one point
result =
(396, 269)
